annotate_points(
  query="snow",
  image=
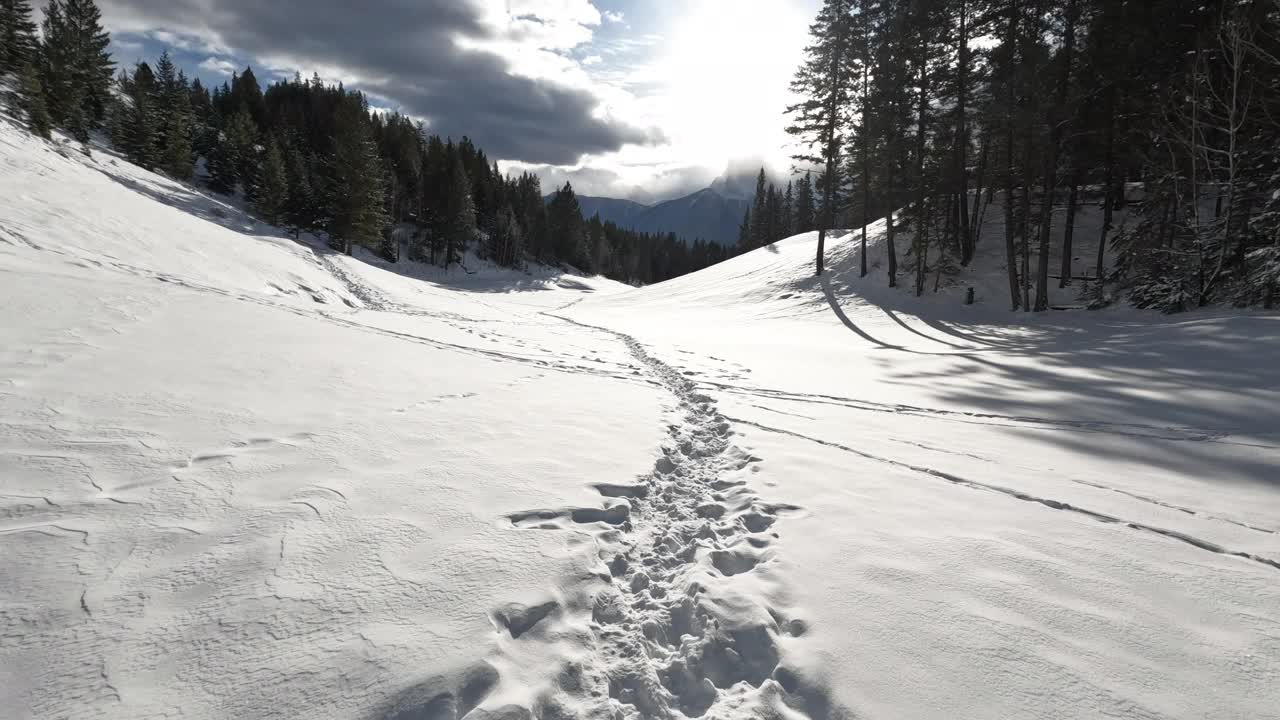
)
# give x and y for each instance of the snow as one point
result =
(242, 475)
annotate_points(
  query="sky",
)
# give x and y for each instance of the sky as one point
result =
(643, 99)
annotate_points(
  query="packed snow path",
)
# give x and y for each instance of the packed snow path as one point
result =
(664, 639)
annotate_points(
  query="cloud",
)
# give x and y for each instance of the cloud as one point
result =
(451, 62)
(221, 66)
(613, 17)
(647, 184)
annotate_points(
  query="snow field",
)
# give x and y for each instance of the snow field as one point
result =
(241, 475)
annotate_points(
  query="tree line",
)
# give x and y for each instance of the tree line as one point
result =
(925, 113)
(316, 158)
(776, 214)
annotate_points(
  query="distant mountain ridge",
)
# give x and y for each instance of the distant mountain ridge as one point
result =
(714, 213)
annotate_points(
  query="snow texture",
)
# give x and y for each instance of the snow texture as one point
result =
(245, 476)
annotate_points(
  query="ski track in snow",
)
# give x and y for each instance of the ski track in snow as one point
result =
(664, 646)
(1179, 434)
(1047, 502)
(1138, 430)
(373, 300)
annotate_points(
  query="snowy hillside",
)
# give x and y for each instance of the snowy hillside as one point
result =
(244, 476)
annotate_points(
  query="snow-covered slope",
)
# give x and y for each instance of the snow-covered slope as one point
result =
(241, 476)
(1067, 515)
(224, 491)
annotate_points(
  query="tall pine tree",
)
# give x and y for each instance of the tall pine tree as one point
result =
(822, 82)
(18, 42)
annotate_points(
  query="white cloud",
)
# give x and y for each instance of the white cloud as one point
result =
(613, 17)
(221, 66)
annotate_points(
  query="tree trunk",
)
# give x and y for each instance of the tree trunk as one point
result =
(975, 227)
(866, 163)
(1011, 256)
(1108, 191)
(922, 222)
(831, 147)
(1068, 234)
(922, 252)
(965, 235)
(1025, 221)
(890, 230)
(1057, 120)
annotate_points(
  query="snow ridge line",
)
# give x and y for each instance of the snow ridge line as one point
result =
(1019, 495)
(664, 643)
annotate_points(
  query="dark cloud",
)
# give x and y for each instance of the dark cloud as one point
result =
(405, 51)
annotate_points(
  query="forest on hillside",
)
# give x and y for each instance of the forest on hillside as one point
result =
(926, 113)
(315, 158)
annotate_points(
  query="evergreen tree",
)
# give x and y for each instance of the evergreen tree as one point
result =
(822, 82)
(804, 209)
(272, 197)
(299, 211)
(33, 102)
(786, 217)
(232, 161)
(92, 65)
(507, 239)
(567, 230)
(357, 186)
(773, 215)
(177, 152)
(142, 124)
(460, 214)
(57, 64)
(760, 213)
(18, 41)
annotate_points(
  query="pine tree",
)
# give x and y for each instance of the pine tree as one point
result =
(232, 161)
(356, 185)
(805, 211)
(18, 42)
(221, 166)
(177, 152)
(760, 213)
(822, 82)
(566, 227)
(507, 239)
(142, 126)
(299, 211)
(460, 223)
(93, 65)
(33, 102)
(773, 215)
(744, 232)
(788, 212)
(271, 200)
(56, 64)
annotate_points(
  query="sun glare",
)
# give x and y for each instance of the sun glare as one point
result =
(726, 68)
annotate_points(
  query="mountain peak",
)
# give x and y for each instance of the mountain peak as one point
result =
(739, 178)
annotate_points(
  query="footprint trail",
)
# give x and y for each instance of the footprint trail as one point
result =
(678, 627)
